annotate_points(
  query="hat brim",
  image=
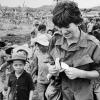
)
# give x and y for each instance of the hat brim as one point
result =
(23, 50)
(42, 43)
(11, 60)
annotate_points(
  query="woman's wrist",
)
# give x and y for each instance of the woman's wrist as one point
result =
(89, 74)
(83, 74)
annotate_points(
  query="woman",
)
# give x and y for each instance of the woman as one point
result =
(76, 49)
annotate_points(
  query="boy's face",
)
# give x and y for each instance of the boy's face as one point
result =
(18, 66)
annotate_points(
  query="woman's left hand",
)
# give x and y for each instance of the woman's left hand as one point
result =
(73, 73)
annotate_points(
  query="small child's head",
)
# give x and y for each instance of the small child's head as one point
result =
(42, 43)
(18, 62)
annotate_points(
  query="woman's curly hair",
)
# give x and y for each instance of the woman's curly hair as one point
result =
(65, 13)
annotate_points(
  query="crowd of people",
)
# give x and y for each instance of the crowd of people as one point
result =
(62, 63)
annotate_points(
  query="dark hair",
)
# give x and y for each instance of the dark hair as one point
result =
(9, 50)
(54, 30)
(33, 33)
(42, 27)
(65, 13)
(97, 19)
(36, 24)
(43, 49)
(91, 19)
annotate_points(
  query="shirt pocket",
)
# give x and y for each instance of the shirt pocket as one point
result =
(86, 59)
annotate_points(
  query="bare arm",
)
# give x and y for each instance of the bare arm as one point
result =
(4, 65)
(34, 65)
(74, 73)
(89, 74)
(31, 95)
(8, 92)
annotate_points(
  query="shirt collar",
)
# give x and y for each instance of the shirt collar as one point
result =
(83, 40)
(21, 74)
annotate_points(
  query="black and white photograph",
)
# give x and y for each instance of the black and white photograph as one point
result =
(49, 49)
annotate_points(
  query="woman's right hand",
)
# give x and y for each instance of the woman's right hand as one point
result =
(52, 69)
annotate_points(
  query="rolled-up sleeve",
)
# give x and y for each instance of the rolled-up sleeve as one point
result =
(96, 58)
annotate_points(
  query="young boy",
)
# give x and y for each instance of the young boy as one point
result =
(40, 65)
(20, 85)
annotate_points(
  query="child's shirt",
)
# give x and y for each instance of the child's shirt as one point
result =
(42, 66)
(21, 87)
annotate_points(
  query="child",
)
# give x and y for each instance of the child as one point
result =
(26, 52)
(40, 58)
(20, 85)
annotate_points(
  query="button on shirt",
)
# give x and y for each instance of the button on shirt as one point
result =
(21, 87)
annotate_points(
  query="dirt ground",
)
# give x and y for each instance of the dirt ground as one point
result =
(6, 28)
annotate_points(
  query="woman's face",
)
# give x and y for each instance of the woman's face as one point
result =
(69, 31)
